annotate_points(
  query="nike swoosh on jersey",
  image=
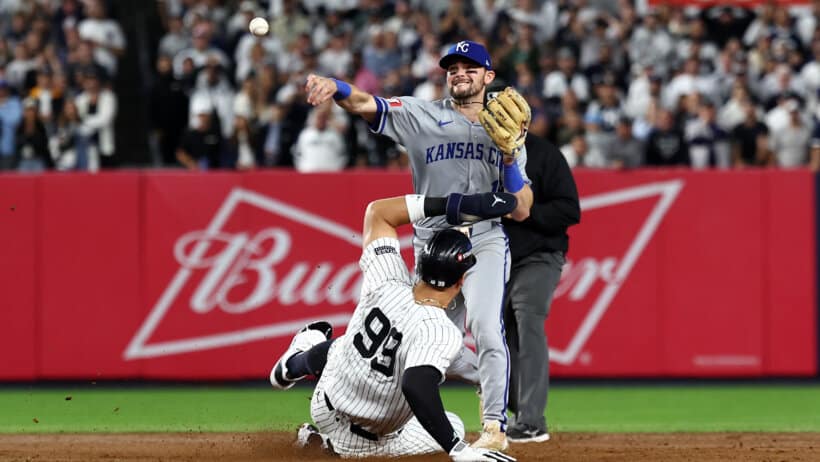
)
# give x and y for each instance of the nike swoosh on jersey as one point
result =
(442, 123)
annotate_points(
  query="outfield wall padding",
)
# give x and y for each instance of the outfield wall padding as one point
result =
(200, 276)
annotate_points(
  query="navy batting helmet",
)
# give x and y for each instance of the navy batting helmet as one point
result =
(445, 258)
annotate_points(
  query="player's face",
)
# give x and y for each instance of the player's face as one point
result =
(466, 79)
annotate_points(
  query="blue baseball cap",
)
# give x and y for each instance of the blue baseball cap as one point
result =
(473, 51)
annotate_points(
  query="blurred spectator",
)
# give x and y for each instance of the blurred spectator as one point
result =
(168, 112)
(201, 145)
(571, 123)
(708, 143)
(807, 24)
(666, 145)
(750, 139)
(488, 13)
(433, 88)
(541, 16)
(11, 111)
(651, 45)
(254, 52)
(601, 117)
(200, 53)
(242, 145)
(287, 22)
(566, 77)
(41, 92)
(426, 62)
(320, 146)
(522, 55)
(576, 150)
(381, 56)
(454, 23)
(104, 33)
(65, 140)
(336, 60)
(644, 89)
(97, 107)
(626, 151)
(22, 63)
(175, 39)
(790, 144)
(779, 82)
(214, 89)
(32, 141)
(761, 25)
(734, 111)
(237, 24)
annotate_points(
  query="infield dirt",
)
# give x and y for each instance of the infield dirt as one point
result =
(564, 447)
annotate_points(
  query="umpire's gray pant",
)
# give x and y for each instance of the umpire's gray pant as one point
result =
(529, 295)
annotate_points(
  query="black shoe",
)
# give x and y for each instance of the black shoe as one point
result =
(523, 433)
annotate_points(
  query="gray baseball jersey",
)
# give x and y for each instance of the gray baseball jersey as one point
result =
(449, 153)
(358, 402)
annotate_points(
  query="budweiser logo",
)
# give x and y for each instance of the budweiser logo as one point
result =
(230, 271)
(258, 255)
(239, 272)
(589, 283)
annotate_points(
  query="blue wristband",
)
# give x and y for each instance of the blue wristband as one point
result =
(342, 90)
(513, 181)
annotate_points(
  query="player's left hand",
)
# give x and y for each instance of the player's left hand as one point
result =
(506, 118)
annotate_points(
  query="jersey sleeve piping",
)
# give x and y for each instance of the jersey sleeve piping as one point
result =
(377, 126)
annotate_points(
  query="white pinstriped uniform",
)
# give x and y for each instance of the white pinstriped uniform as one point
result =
(358, 403)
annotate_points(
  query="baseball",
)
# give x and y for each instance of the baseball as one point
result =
(258, 26)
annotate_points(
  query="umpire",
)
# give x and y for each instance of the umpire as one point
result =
(538, 246)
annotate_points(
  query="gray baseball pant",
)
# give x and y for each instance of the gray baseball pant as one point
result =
(529, 295)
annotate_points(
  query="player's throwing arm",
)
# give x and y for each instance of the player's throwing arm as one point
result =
(322, 89)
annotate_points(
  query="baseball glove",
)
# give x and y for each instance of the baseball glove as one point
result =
(506, 118)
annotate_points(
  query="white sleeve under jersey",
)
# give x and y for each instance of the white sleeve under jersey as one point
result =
(381, 262)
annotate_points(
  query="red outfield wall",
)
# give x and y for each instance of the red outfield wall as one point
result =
(194, 276)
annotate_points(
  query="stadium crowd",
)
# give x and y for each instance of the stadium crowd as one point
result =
(57, 108)
(614, 84)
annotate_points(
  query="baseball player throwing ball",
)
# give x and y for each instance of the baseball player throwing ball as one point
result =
(462, 145)
(378, 392)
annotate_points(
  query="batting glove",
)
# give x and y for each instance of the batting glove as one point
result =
(462, 452)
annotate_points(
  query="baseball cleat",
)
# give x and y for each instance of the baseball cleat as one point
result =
(523, 433)
(492, 437)
(307, 337)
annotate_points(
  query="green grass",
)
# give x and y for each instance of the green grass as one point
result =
(572, 408)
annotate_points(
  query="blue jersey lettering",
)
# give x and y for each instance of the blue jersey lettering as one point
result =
(451, 150)
(439, 153)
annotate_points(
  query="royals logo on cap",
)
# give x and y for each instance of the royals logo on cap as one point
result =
(473, 51)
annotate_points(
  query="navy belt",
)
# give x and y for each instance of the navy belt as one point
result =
(354, 428)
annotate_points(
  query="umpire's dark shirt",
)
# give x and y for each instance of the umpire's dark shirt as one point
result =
(555, 202)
